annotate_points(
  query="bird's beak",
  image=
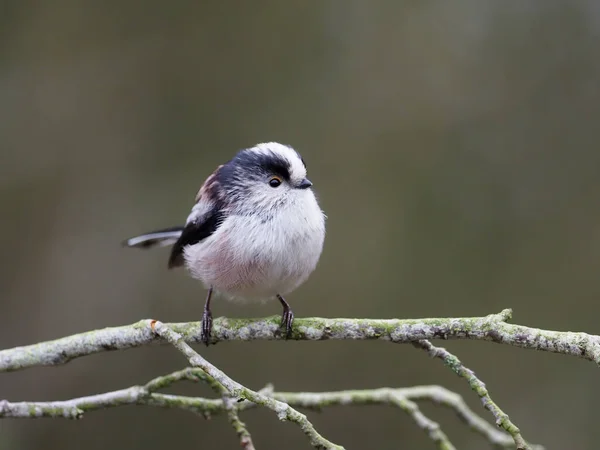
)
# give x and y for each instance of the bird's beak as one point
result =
(304, 184)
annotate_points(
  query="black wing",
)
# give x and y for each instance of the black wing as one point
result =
(195, 231)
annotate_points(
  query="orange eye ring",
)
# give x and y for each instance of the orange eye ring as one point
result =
(275, 182)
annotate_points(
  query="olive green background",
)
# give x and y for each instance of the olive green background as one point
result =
(455, 147)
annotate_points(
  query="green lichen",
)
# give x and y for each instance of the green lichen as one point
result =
(142, 324)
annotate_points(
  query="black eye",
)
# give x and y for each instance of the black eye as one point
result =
(274, 182)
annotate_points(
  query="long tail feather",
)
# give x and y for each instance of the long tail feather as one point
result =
(159, 238)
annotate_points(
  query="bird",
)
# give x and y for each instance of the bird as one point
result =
(255, 231)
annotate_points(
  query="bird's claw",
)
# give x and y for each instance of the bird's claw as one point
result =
(206, 327)
(287, 320)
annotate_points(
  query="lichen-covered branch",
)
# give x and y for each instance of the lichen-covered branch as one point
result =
(494, 327)
(432, 428)
(502, 419)
(404, 398)
(491, 328)
(239, 426)
(236, 391)
(228, 402)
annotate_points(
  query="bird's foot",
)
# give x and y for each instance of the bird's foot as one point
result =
(287, 318)
(206, 327)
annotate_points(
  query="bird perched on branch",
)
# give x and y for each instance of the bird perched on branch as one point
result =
(255, 231)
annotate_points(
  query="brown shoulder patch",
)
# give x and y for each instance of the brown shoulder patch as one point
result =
(209, 186)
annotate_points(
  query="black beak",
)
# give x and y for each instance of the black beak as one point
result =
(304, 184)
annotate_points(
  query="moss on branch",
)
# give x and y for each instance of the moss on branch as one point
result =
(493, 328)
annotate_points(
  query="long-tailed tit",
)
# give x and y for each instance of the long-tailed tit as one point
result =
(255, 231)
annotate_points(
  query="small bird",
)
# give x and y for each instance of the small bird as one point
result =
(255, 232)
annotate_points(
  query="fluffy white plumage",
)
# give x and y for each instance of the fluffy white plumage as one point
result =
(251, 258)
(268, 240)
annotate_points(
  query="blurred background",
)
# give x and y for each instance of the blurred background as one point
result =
(453, 145)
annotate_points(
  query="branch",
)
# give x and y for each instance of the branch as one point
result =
(147, 395)
(239, 392)
(502, 419)
(432, 428)
(493, 327)
(237, 424)
(135, 395)
(228, 404)
(490, 328)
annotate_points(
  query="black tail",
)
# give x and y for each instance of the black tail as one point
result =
(159, 238)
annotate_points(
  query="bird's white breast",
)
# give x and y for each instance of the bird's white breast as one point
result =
(256, 256)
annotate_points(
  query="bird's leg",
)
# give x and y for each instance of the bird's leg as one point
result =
(207, 319)
(287, 318)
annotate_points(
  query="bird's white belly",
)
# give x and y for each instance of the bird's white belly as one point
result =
(269, 258)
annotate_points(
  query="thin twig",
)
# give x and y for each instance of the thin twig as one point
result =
(388, 396)
(230, 406)
(442, 396)
(491, 328)
(502, 419)
(147, 395)
(432, 428)
(239, 392)
(240, 427)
